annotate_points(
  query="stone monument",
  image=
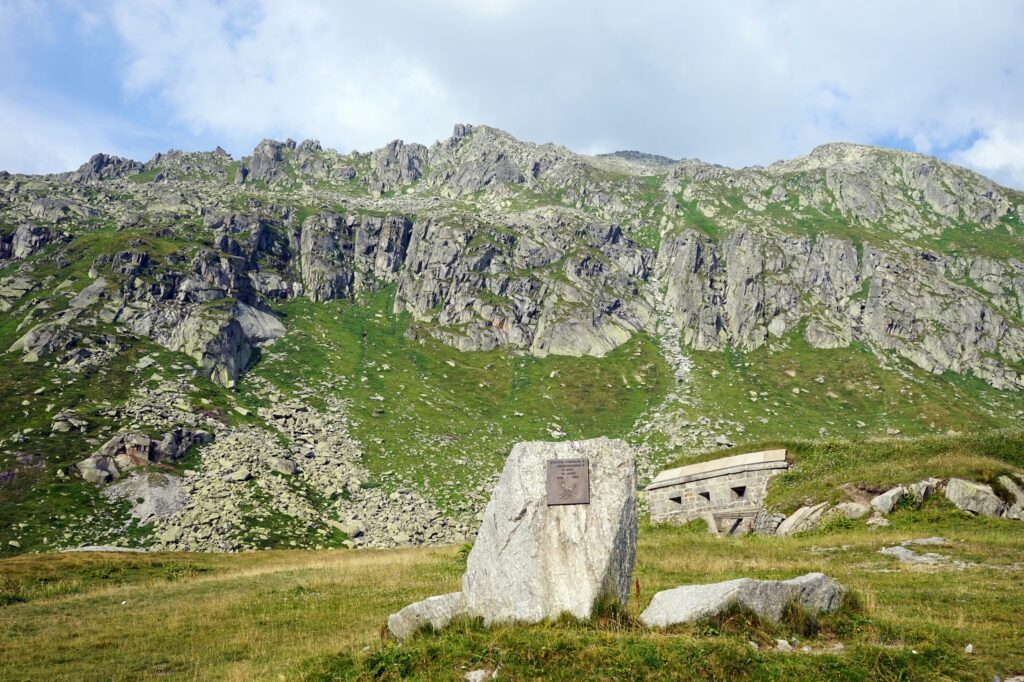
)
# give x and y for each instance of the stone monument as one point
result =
(558, 534)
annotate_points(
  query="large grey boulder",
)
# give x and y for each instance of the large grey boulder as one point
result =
(975, 498)
(261, 327)
(532, 561)
(768, 598)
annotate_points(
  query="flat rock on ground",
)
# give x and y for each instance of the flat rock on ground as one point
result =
(768, 598)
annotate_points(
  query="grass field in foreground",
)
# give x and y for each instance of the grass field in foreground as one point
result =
(320, 615)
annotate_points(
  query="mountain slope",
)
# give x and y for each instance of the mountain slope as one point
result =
(436, 304)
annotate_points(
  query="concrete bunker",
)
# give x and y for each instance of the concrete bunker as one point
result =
(728, 493)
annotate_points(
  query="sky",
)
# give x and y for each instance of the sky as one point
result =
(739, 83)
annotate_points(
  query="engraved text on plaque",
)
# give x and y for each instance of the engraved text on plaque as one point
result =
(568, 481)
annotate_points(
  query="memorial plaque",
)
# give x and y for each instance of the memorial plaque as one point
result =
(568, 481)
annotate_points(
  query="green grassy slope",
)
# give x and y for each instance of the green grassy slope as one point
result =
(437, 416)
(842, 392)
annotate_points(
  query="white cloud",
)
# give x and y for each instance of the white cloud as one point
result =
(999, 153)
(277, 69)
(46, 135)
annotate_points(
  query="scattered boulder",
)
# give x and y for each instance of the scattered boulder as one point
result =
(814, 592)
(804, 518)
(66, 421)
(98, 469)
(878, 521)
(437, 611)
(239, 475)
(975, 498)
(283, 465)
(888, 500)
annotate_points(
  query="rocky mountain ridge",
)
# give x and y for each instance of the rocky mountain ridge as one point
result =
(488, 243)
(495, 242)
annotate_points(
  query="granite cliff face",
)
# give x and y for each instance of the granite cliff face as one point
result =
(493, 242)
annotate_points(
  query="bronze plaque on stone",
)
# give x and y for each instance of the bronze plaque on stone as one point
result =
(568, 481)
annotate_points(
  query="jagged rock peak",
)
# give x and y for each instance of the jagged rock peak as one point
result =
(103, 167)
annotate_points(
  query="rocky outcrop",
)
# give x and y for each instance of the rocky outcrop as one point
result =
(130, 450)
(397, 164)
(217, 343)
(12, 289)
(496, 242)
(103, 167)
(887, 501)
(1015, 509)
(267, 163)
(748, 287)
(25, 241)
(813, 592)
(481, 286)
(340, 255)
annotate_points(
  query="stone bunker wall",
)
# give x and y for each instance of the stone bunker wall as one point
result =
(727, 492)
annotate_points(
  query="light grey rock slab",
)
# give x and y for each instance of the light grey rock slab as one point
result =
(532, 561)
(283, 465)
(922, 490)
(438, 611)
(909, 556)
(768, 598)
(261, 327)
(888, 500)
(878, 521)
(934, 540)
(238, 475)
(852, 510)
(976, 498)
(152, 494)
(89, 294)
(804, 518)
